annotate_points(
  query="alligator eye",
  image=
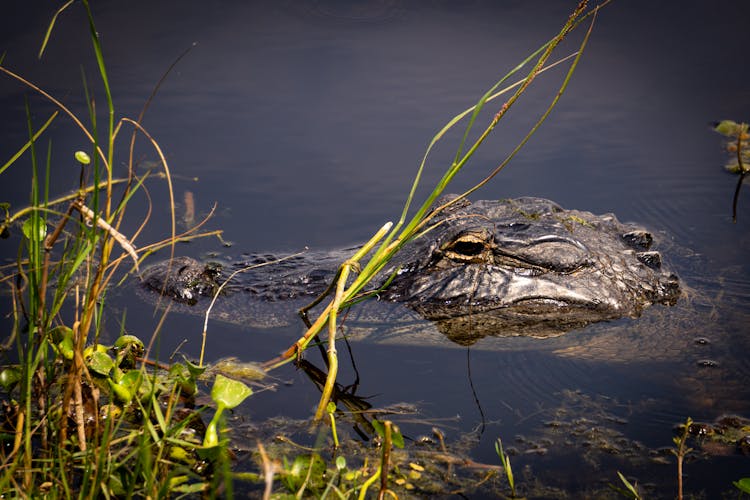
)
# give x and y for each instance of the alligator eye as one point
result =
(467, 248)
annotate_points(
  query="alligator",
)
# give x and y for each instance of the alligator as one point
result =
(517, 267)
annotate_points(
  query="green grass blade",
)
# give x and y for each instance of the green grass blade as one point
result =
(30, 141)
(52, 25)
(541, 119)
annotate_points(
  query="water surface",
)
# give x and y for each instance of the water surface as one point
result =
(304, 124)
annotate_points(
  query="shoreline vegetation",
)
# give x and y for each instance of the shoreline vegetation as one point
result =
(81, 418)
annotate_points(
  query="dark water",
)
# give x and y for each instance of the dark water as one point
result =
(304, 123)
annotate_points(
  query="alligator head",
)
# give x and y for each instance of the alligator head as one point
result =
(528, 267)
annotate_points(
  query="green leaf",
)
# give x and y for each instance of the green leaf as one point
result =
(82, 157)
(506, 463)
(229, 393)
(28, 144)
(176, 481)
(9, 377)
(127, 387)
(128, 348)
(379, 427)
(631, 489)
(743, 484)
(128, 341)
(66, 347)
(114, 483)
(121, 393)
(226, 393)
(184, 378)
(62, 336)
(195, 370)
(340, 463)
(100, 363)
(180, 454)
(189, 488)
(397, 439)
(726, 127)
(58, 333)
(32, 223)
(52, 25)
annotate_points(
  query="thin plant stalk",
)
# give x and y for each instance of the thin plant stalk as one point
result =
(221, 288)
(349, 265)
(385, 459)
(680, 452)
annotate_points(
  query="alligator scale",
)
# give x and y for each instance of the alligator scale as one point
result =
(520, 267)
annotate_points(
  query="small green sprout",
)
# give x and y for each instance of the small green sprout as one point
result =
(506, 466)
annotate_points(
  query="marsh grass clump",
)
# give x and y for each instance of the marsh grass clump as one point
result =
(80, 418)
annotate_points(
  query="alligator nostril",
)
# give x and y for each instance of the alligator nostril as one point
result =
(638, 239)
(651, 259)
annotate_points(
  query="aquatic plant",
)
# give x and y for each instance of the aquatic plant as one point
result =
(84, 418)
(743, 485)
(505, 460)
(680, 451)
(738, 148)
